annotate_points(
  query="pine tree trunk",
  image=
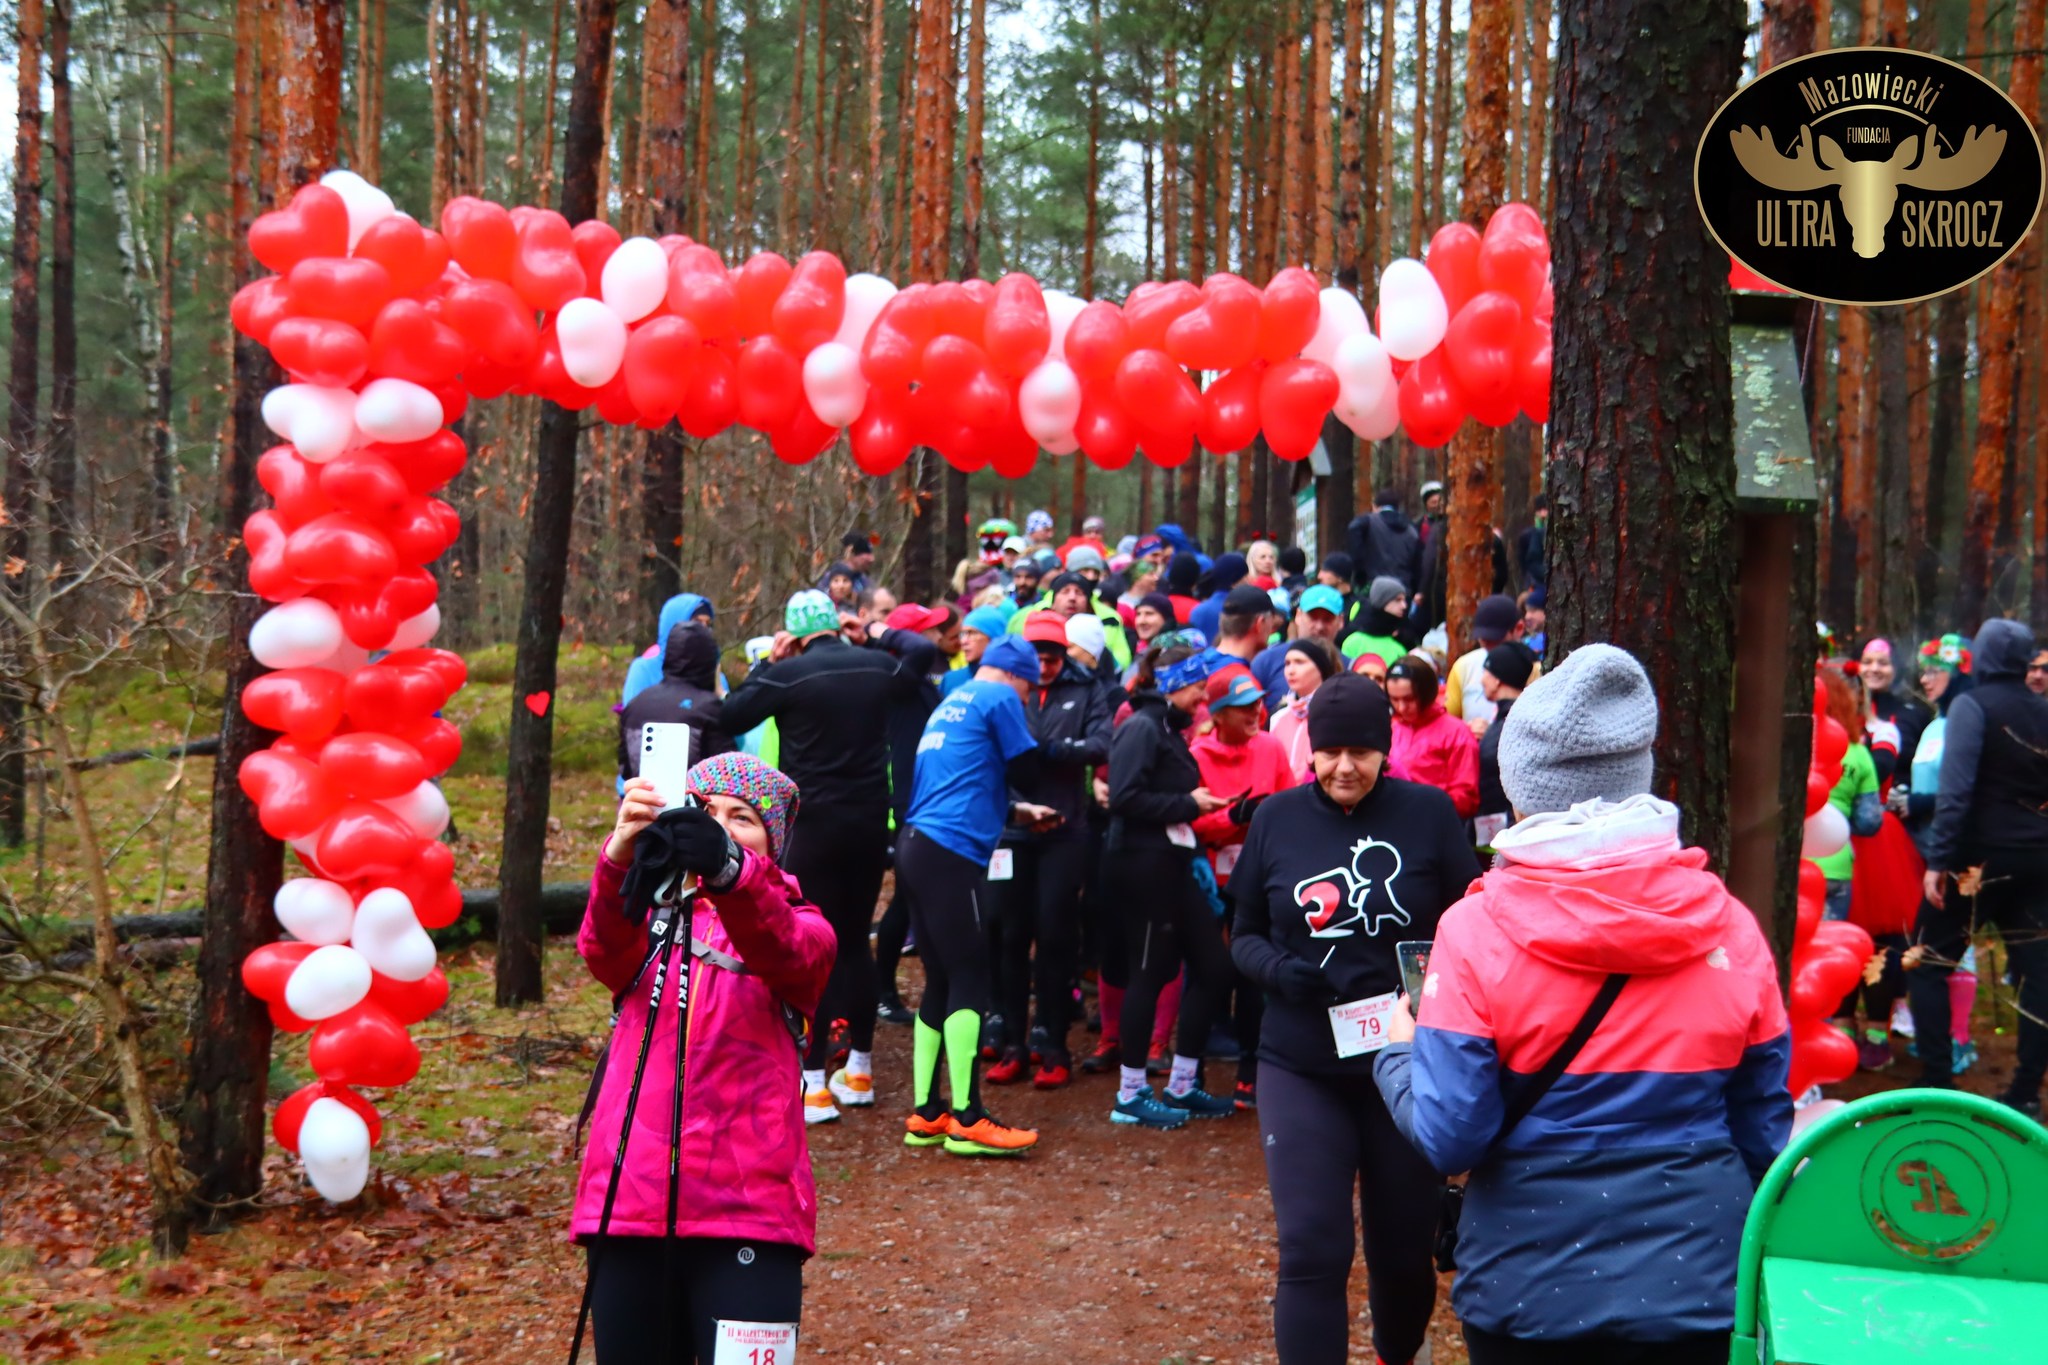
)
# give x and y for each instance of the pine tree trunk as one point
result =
(1336, 499)
(1287, 158)
(1475, 462)
(1169, 174)
(1641, 462)
(2001, 324)
(745, 210)
(792, 134)
(221, 1122)
(1322, 256)
(876, 34)
(24, 368)
(1418, 140)
(665, 180)
(928, 233)
(62, 454)
(530, 738)
(1091, 223)
(1440, 123)
(707, 119)
(977, 91)
(1383, 232)
(544, 183)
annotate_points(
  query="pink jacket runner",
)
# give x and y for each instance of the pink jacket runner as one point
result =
(745, 1169)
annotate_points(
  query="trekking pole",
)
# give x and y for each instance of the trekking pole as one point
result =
(611, 1191)
(685, 919)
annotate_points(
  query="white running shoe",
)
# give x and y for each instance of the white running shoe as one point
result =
(818, 1108)
(855, 1092)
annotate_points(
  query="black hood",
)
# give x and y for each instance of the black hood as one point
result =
(691, 656)
(2001, 650)
(1395, 519)
(1958, 685)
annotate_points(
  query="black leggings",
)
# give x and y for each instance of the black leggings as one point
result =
(1699, 1348)
(838, 860)
(1167, 921)
(944, 890)
(2015, 898)
(890, 935)
(698, 1281)
(1041, 901)
(1324, 1136)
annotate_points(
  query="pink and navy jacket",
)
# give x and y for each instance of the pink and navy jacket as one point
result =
(1616, 1206)
(745, 1169)
(1440, 751)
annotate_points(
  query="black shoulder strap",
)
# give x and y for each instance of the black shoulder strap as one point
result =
(1525, 1096)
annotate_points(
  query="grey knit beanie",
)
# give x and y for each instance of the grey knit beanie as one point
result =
(1385, 589)
(1581, 732)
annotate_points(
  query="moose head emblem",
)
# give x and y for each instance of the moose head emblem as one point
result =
(1869, 189)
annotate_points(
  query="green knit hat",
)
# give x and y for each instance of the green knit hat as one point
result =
(810, 612)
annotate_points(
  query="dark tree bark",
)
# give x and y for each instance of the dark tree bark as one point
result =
(665, 162)
(23, 372)
(221, 1124)
(163, 432)
(1641, 466)
(530, 742)
(62, 459)
(1887, 613)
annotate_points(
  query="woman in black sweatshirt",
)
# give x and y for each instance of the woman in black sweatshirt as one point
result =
(1333, 874)
(1155, 793)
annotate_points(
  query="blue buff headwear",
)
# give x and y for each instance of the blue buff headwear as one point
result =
(1174, 677)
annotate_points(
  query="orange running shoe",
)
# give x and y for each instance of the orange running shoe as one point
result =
(927, 1130)
(987, 1137)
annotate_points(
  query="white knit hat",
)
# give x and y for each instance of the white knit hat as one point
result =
(1085, 632)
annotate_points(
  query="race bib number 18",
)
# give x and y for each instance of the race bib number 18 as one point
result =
(755, 1343)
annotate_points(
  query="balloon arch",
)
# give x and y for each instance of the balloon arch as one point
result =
(387, 329)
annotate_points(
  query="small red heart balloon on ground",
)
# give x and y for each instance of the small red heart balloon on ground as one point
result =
(537, 702)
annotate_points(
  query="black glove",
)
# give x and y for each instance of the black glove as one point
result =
(1244, 808)
(1303, 983)
(680, 841)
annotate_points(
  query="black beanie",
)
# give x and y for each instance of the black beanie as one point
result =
(1512, 663)
(1350, 712)
(1182, 571)
(1162, 604)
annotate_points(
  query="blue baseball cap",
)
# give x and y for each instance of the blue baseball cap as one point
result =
(1323, 597)
(990, 621)
(1014, 656)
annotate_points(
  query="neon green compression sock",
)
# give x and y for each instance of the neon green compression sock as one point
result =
(963, 1047)
(925, 1044)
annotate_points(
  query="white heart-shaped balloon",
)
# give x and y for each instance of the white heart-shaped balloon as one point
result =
(415, 631)
(314, 911)
(1374, 421)
(1341, 316)
(866, 296)
(398, 411)
(1049, 402)
(833, 383)
(1362, 368)
(1061, 308)
(424, 810)
(389, 938)
(593, 342)
(1827, 832)
(334, 1145)
(635, 278)
(300, 633)
(367, 205)
(328, 981)
(1066, 445)
(1413, 314)
(320, 421)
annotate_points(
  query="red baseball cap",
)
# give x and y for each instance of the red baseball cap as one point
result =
(1046, 627)
(1234, 689)
(911, 616)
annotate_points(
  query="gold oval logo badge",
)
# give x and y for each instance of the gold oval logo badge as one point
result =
(1869, 175)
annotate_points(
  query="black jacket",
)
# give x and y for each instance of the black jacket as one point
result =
(832, 705)
(1994, 766)
(1529, 557)
(1493, 799)
(1380, 875)
(1385, 543)
(1151, 774)
(1436, 573)
(1371, 620)
(1911, 715)
(687, 692)
(1070, 719)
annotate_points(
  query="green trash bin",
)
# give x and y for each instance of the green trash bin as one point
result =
(1908, 1226)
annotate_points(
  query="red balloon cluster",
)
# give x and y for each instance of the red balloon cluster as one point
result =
(1828, 956)
(651, 331)
(1494, 361)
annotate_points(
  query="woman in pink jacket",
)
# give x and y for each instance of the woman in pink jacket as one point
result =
(675, 1271)
(1430, 745)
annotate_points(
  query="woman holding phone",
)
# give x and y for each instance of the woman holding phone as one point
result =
(674, 1265)
(1333, 875)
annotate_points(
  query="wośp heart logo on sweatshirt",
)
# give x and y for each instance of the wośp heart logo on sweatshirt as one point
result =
(1336, 903)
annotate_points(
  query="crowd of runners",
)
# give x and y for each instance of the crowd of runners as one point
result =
(1149, 808)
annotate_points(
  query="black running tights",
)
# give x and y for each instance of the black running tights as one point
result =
(699, 1281)
(1168, 922)
(838, 860)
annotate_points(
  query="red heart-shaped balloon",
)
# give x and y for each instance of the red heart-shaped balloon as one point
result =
(1288, 313)
(547, 272)
(382, 695)
(345, 288)
(293, 484)
(594, 240)
(480, 237)
(444, 664)
(303, 702)
(661, 360)
(265, 970)
(770, 383)
(807, 311)
(1154, 306)
(1018, 331)
(365, 483)
(315, 223)
(320, 350)
(439, 743)
(1157, 394)
(492, 317)
(1097, 342)
(293, 797)
(408, 342)
(756, 285)
(259, 306)
(426, 466)
(1221, 334)
(1229, 419)
(410, 1001)
(265, 536)
(340, 548)
(1294, 398)
(372, 765)
(291, 1112)
(421, 529)
(700, 289)
(364, 839)
(1104, 432)
(364, 1046)
(415, 257)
